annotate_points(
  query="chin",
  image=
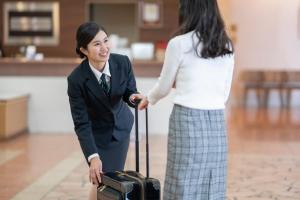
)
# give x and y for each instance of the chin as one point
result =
(102, 59)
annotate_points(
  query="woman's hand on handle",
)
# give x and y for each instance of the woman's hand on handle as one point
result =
(144, 103)
(95, 171)
(143, 100)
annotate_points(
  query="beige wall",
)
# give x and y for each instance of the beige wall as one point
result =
(267, 33)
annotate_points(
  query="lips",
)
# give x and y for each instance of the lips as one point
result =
(104, 54)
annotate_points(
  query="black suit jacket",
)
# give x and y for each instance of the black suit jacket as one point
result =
(98, 117)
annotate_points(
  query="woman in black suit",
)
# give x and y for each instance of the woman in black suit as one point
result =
(99, 90)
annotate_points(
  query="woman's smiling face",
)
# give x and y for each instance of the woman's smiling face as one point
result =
(98, 50)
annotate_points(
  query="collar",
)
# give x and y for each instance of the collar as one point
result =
(97, 73)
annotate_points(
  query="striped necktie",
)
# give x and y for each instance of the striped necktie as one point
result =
(104, 84)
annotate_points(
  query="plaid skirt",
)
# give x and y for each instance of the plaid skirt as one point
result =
(197, 155)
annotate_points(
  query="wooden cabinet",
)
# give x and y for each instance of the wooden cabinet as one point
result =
(13, 114)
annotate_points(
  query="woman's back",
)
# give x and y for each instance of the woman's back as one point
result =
(200, 83)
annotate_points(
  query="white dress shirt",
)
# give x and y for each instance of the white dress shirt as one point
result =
(200, 83)
(105, 71)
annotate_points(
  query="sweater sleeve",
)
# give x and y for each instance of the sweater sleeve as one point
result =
(229, 78)
(168, 74)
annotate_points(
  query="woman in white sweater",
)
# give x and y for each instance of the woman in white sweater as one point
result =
(199, 61)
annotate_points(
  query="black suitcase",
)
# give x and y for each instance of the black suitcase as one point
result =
(107, 193)
(130, 185)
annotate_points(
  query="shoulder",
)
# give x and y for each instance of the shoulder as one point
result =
(120, 62)
(229, 57)
(76, 74)
(175, 46)
(181, 43)
(118, 58)
(174, 42)
(182, 38)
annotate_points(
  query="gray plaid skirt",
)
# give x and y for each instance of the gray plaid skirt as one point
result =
(197, 155)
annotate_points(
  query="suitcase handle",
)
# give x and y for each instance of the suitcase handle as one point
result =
(137, 160)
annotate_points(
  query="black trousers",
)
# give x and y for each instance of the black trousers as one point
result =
(114, 156)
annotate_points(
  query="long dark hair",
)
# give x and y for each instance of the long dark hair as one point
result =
(85, 34)
(203, 17)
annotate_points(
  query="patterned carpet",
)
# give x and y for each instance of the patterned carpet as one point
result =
(250, 177)
(267, 177)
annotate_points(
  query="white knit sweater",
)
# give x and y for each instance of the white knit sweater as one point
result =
(200, 83)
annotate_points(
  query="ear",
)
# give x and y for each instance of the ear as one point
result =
(83, 50)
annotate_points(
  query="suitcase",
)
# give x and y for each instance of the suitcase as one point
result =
(130, 185)
(107, 193)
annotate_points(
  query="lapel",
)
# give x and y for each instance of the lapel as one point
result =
(114, 71)
(93, 84)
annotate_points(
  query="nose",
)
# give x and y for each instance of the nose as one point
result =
(103, 48)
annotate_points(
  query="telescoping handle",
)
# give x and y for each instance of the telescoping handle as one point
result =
(137, 156)
(137, 160)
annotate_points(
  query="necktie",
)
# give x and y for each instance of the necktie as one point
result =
(104, 84)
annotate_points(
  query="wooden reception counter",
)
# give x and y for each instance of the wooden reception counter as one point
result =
(63, 66)
(13, 114)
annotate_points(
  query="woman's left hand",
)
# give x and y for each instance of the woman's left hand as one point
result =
(143, 103)
(95, 171)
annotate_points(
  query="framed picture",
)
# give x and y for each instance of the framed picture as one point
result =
(31, 23)
(151, 14)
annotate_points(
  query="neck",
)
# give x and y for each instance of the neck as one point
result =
(98, 65)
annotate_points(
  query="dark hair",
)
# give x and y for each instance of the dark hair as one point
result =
(203, 17)
(85, 34)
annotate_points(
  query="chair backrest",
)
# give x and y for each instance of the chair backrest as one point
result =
(252, 76)
(275, 76)
(293, 76)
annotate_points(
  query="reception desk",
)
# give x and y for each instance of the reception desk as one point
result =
(45, 81)
(63, 66)
(13, 114)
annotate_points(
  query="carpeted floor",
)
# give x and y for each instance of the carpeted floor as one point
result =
(250, 177)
